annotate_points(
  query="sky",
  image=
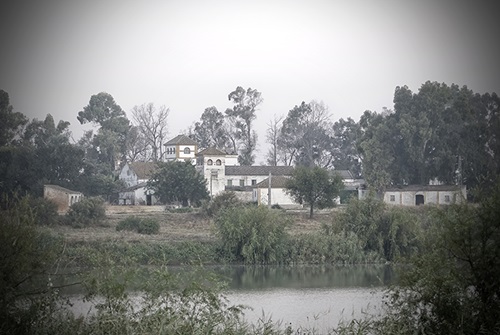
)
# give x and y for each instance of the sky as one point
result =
(190, 54)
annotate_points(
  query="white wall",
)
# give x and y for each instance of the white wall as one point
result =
(278, 196)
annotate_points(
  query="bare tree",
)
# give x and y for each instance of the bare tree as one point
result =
(137, 149)
(152, 124)
(272, 137)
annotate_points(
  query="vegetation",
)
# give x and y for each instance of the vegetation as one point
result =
(178, 182)
(141, 226)
(314, 186)
(86, 212)
(253, 235)
(220, 202)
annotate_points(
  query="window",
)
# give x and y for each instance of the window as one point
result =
(187, 151)
(446, 198)
(210, 162)
(229, 182)
(254, 182)
(242, 182)
(393, 198)
(218, 162)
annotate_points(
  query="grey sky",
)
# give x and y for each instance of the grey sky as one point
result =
(190, 54)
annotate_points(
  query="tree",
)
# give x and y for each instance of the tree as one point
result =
(110, 142)
(272, 137)
(10, 121)
(345, 154)
(314, 186)
(212, 131)
(305, 133)
(452, 286)
(153, 127)
(246, 103)
(178, 182)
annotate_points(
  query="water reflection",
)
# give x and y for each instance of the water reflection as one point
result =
(299, 277)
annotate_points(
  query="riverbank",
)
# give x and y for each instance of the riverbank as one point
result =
(183, 238)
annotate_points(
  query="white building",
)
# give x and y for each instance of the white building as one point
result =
(181, 147)
(135, 175)
(415, 195)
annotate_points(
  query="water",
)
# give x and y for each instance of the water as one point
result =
(305, 297)
(309, 297)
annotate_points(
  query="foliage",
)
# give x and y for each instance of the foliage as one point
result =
(86, 212)
(222, 201)
(254, 235)
(314, 186)
(178, 182)
(109, 145)
(146, 226)
(391, 232)
(44, 211)
(212, 130)
(452, 287)
(243, 114)
(26, 254)
(305, 135)
(344, 150)
(10, 121)
(442, 132)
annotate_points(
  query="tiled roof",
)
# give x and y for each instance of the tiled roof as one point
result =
(181, 139)
(62, 189)
(211, 152)
(345, 174)
(416, 188)
(276, 182)
(258, 170)
(143, 170)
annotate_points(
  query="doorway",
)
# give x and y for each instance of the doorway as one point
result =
(419, 199)
(148, 199)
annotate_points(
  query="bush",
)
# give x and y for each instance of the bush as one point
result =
(88, 211)
(148, 227)
(44, 211)
(224, 200)
(253, 235)
(142, 226)
(131, 223)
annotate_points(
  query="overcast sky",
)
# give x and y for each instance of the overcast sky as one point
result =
(190, 54)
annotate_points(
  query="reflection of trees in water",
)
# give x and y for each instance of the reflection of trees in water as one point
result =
(256, 277)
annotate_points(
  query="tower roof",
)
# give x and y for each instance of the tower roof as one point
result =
(182, 140)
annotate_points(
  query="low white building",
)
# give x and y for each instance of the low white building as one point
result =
(135, 175)
(278, 193)
(415, 195)
(61, 196)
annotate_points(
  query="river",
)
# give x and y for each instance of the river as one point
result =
(305, 297)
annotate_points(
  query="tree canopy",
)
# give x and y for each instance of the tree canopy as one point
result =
(315, 187)
(178, 182)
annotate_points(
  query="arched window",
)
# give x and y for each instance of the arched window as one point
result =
(187, 151)
(210, 162)
(218, 162)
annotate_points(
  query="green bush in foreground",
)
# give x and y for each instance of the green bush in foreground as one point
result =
(86, 212)
(253, 235)
(141, 226)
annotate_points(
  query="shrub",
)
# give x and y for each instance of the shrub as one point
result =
(253, 235)
(44, 211)
(88, 211)
(148, 227)
(224, 200)
(142, 226)
(131, 223)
